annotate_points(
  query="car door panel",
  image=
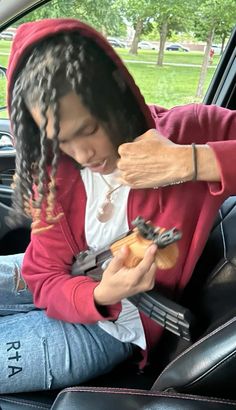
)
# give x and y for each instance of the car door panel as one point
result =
(12, 239)
(7, 166)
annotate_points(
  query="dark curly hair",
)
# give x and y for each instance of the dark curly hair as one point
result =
(53, 68)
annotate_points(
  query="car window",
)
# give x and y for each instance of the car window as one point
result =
(175, 72)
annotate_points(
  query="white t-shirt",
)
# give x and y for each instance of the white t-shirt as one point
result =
(128, 327)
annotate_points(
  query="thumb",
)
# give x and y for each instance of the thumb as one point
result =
(118, 261)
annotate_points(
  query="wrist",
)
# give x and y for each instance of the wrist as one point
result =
(199, 163)
(102, 297)
(188, 167)
(108, 310)
(98, 296)
(207, 166)
(184, 169)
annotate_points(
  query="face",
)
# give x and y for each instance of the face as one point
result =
(81, 136)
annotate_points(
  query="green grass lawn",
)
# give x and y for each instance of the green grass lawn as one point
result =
(166, 86)
(3, 114)
(4, 48)
(3, 60)
(193, 57)
(5, 45)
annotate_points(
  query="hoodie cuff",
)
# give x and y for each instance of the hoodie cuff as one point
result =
(225, 156)
(87, 309)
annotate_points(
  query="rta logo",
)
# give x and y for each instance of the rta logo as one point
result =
(13, 358)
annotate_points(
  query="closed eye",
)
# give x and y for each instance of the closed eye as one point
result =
(89, 129)
(84, 131)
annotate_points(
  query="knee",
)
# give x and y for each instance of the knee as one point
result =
(20, 284)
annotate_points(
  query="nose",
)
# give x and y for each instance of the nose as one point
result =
(83, 152)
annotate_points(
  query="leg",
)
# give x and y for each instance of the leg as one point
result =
(14, 295)
(38, 353)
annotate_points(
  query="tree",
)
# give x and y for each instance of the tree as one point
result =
(138, 13)
(212, 16)
(224, 30)
(53, 9)
(172, 15)
(101, 14)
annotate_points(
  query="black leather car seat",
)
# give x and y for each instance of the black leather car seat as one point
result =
(82, 398)
(209, 365)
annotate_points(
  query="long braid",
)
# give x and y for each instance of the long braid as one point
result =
(42, 177)
(55, 156)
(56, 66)
(41, 190)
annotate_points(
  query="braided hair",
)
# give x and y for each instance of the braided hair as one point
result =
(57, 65)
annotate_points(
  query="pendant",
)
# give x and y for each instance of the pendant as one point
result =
(106, 210)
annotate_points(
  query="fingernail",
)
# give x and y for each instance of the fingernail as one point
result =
(123, 249)
(153, 249)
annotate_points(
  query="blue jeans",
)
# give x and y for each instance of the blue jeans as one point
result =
(40, 353)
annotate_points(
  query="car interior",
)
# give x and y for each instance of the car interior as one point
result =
(195, 364)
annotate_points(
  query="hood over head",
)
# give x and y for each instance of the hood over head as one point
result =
(29, 34)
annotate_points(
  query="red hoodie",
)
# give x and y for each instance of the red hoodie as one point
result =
(191, 207)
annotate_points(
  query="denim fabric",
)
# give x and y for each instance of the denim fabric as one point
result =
(37, 352)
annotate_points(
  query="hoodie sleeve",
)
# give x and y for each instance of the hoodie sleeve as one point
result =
(46, 269)
(204, 124)
(218, 129)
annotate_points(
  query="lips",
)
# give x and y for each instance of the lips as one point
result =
(97, 167)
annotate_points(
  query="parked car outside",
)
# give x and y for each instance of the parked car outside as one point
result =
(177, 47)
(6, 35)
(115, 42)
(216, 48)
(146, 45)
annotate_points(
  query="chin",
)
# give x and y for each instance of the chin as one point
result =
(109, 170)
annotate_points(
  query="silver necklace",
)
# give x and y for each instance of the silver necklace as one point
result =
(107, 207)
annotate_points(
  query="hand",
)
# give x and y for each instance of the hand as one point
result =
(154, 161)
(119, 282)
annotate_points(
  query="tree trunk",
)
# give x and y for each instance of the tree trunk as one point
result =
(223, 40)
(203, 72)
(163, 37)
(103, 31)
(138, 31)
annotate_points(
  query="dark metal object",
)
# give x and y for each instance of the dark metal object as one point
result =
(91, 263)
(160, 309)
(157, 235)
